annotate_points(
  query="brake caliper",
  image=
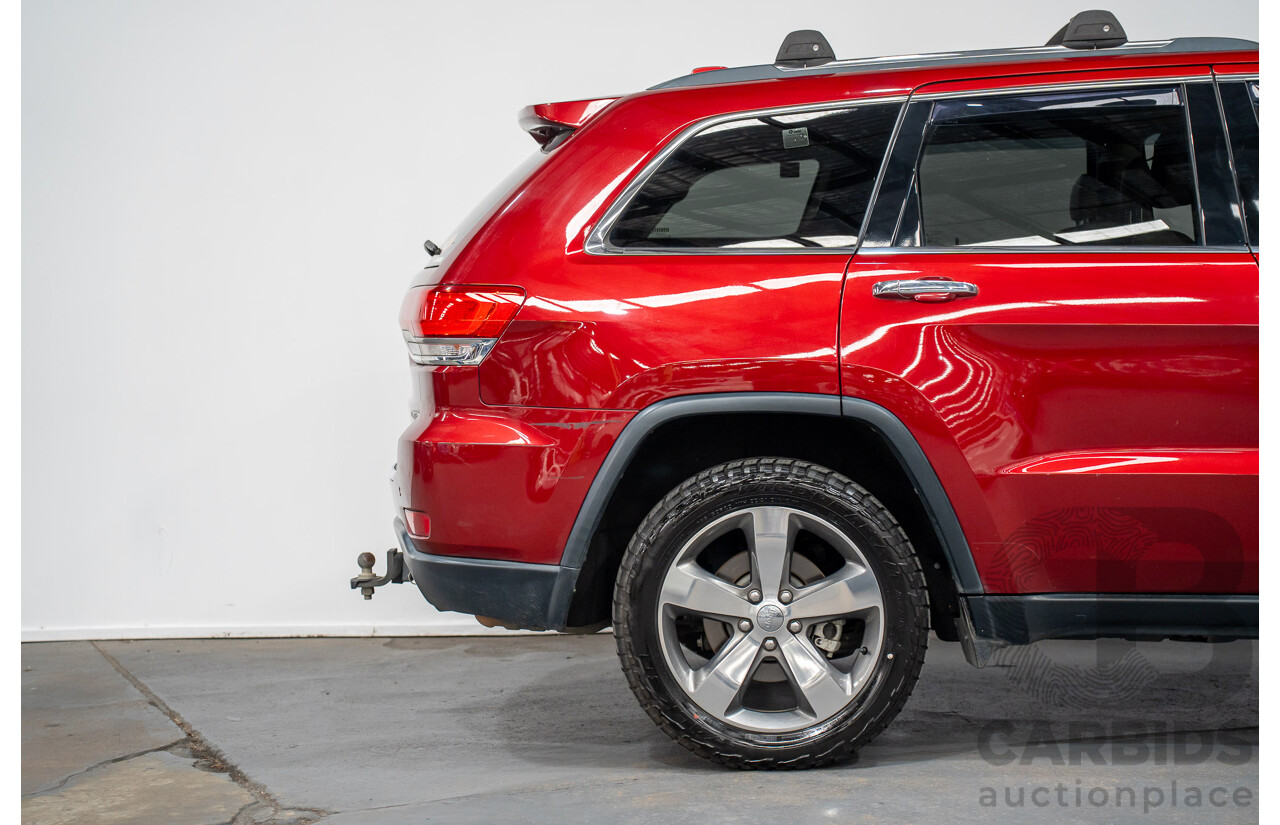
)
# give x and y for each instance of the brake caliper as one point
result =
(826, 636)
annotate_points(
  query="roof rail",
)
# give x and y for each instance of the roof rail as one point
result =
(772, 71)
(1093, 29)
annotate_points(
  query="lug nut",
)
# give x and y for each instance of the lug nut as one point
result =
(770, 644)
(794, 625)
(745, 626)
(785, 597)
(754, 597)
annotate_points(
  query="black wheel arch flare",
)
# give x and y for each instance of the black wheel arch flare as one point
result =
(895, 434)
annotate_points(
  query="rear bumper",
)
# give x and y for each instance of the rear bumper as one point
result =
(501, 483)
(533, 596)
(501, 487)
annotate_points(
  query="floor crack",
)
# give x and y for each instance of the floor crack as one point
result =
(207, 751)
(62, 783)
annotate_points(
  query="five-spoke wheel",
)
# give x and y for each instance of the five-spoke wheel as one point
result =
(753, 613)
(774, 617)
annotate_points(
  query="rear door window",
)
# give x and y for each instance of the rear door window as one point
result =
(1088, 167)
(1239, 104)
(783, 181)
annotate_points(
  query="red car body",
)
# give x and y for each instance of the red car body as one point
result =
(1086, 427)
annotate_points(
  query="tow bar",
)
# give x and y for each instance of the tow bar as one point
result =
(368, 580)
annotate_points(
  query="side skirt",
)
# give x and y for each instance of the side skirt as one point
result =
(994, 621)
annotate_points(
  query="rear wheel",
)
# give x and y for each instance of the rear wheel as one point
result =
(771, 613)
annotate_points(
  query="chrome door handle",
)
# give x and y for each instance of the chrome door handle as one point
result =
(927, 291)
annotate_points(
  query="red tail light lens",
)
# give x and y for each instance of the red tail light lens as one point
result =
(452, 312)
(417, 523)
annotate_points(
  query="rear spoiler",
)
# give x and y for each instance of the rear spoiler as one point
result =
(548, 121)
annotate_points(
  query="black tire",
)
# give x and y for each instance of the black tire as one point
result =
(661, 640)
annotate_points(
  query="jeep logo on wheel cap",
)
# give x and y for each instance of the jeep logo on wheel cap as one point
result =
(769, 618)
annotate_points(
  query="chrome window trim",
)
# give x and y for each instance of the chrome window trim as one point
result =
(1077, 86)
(597, 242)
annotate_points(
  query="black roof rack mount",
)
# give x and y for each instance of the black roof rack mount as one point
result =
(803, 49)
(1094, 29)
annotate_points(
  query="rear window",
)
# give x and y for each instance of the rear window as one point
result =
(1102, 167)
(798, 180)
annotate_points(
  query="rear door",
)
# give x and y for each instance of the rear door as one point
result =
(1082, 370)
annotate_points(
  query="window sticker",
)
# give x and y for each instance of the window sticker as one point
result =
(795, 138)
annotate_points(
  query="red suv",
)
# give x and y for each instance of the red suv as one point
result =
(776, 368)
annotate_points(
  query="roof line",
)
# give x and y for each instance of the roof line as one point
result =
(744, 74)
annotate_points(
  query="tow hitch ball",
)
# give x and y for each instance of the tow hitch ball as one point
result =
(368, 580)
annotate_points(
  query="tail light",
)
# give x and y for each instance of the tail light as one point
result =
(417, 523)
(456, 324)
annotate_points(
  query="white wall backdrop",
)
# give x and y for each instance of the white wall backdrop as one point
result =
(223, 201)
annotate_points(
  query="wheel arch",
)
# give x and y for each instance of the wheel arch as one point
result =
(676, 438)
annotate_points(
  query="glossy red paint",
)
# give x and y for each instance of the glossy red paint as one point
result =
(572, 113)
(1061, 355)
(1237, 462)
(470, 467)
(1023, 397)
(711, 324)
(1221, 67)
(1092, 416)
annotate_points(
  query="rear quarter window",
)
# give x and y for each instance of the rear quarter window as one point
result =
(795, 180)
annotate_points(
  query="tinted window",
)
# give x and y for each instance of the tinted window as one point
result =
(785, 181)
(1103, 167)
(1239, 104)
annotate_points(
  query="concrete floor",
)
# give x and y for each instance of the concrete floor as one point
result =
(544, 730)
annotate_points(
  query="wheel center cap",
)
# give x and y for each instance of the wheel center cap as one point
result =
(769, 618)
